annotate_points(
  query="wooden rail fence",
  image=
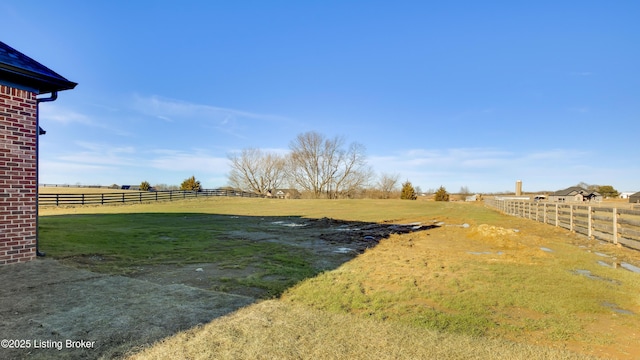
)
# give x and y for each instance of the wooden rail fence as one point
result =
(615, 225)
(132, 196)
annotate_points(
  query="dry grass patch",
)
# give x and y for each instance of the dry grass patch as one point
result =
(279, 330)
(490, 281)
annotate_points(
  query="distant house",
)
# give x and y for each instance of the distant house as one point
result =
(625, 194)
(634, 198)
(474, 197)
(575, 194)
(284, 194)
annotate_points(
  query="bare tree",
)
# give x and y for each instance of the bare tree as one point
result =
(256, 170)
(322, 167)
(387, 183)
(464, 192)
(352, 173)
(305, 168)
(586, 186)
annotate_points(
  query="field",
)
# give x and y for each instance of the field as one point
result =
(365, 278)
(77, 190)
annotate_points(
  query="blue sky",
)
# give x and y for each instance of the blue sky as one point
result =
(461, 93)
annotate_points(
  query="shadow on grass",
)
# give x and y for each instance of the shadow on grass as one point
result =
(151, 275)
(255, 256)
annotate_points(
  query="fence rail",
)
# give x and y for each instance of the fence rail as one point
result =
(133, 196)
(614, 225)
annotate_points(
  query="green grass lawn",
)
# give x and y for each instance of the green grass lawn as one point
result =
(126, 242)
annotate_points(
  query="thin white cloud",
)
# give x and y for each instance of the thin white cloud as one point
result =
(101, 154)
(105, 107)
(168, 109)
(189, 162)
(59, 114)
(232, 122)
(557, 155)
(488, 168)
(67, 167)
(422, 153)
(164, 151)
(447, 158)
(105, 148)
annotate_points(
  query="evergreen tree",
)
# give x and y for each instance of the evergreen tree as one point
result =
(190, 184)
(145, 186)
(608, 191)
(442, 194)
(408, 192)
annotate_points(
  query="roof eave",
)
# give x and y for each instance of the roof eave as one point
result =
(41, 82)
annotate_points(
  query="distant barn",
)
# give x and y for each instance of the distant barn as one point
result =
(635, 198)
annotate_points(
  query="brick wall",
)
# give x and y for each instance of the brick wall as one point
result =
(17, 175)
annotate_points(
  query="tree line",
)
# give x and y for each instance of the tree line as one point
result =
(317, 165)
(320, 166)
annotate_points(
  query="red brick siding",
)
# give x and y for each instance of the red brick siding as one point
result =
(17, 175)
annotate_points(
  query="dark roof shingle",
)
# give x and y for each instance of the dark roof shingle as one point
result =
(574, 190)
(20, 69)
(569, 191)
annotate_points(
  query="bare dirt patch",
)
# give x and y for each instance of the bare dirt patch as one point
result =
(53, 303)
